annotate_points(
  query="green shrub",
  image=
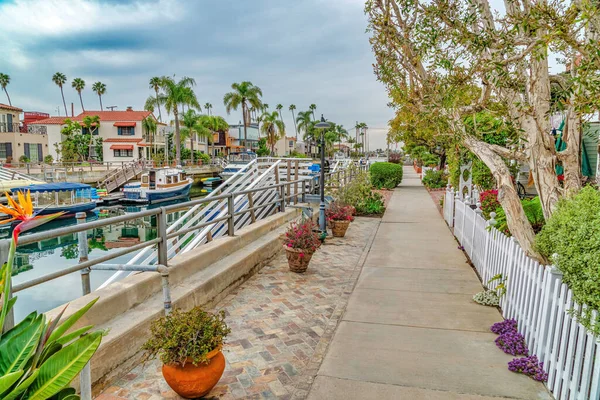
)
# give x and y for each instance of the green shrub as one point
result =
(533, 211)
(359, 194)
(205, 158)
(48, 159)
(573, 234)
(434, 179)
(385, 175)
(24, 159)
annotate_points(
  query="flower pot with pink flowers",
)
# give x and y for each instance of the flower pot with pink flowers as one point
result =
(339, 216)
(300, 242)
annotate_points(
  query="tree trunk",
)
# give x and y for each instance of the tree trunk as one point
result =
(63, 98)
(295, 127)
(192, 148)
(158, 106)
(8, 97)
(570, 157)
(81, 101)
(245, 119)
(517, 221)
(177, 137)
(101, 108)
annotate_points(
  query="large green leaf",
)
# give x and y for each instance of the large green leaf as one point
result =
(69, 322)
(60, 369)
(16, 351)
(19, 327)
(16, 392)
(64, 394)
(73, 335)
(8, 380)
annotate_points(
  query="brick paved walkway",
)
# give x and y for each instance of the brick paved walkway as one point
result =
(281, 325)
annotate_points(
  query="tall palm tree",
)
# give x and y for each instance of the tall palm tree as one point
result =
(175, 94)
(279, 108)
(79, 84)
(208, 107)
(306, 125)
(155, 85)
(60, 79)
(244, 94)
(292, 108)
(341, 134)
(4, 81)
(273, 128)
(212, 124)
(259, 119)
(313, 108)
(149, 125)
(189, 120)
(265, 108)
(100, 89)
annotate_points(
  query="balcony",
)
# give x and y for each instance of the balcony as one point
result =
(37, 129)
(9, 127)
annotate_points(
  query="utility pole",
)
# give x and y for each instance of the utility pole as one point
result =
(111, 108)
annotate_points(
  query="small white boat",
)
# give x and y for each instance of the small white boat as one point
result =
(236, 162)
(158, 185)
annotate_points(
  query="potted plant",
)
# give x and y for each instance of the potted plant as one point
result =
(300, 242)
(189, 345)
(340, 217)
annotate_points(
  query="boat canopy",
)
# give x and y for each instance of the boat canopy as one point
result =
(52, 187)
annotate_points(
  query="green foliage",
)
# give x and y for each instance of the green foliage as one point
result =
(492, 295)
(205, 158)
(573, 234)
(385, 175)
(359, 194)
(533, 211)
(24, 159)
(262, 150)
(434, 179)
(185, 336)
(48, 159)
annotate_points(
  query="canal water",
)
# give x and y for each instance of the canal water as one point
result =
(39, 259)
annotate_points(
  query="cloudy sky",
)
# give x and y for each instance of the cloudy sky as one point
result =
(300, 52)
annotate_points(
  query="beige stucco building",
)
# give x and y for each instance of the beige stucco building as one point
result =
(14, 144)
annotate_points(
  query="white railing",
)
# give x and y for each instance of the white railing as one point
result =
(537, 298)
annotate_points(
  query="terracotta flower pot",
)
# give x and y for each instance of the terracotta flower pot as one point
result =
(298, 259)
(339, 228)
(193, 381)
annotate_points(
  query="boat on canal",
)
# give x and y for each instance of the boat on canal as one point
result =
(157, 186)
(236, 162)
(67, 197)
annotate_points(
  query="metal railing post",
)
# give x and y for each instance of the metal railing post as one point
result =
(161, 225)
(82, 245)
(164, 273)
(303, 198)
(230, 216)
(282, 198)
(9, 321)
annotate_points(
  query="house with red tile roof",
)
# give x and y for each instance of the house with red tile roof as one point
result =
(122, 133)
(15, 143)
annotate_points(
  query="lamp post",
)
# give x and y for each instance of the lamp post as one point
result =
(322, 125)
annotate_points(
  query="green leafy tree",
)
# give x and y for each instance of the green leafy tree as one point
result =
(174, 95)
(79, 84)
(306, 126)
(92, 123)
(262, 150)
(99, 88)
(273, 128)
(150, 127)
(211, 125)
(190, 121)
(59, 80)
(244, 95)
(4, 81)
(208, 107)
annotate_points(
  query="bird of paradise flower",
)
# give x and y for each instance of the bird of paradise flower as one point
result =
(21, 210)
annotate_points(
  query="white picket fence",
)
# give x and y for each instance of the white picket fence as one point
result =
(537, 298)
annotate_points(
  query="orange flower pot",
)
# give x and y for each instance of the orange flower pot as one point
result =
(298, 259)
(193, 381)
(339, 228)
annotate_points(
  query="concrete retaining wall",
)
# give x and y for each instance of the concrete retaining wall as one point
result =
(202, 277)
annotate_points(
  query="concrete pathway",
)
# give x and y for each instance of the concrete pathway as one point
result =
(411, 329)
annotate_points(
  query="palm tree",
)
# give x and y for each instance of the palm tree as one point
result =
(265, 108)
(351, 142)
(273, 128)
(100, 89)
(189, 120)
(340, 134)
(212, 124)
(313, 108)
(292, 108)
(60, 79)
(279, 108)
(149, 125)
(175, 94)
(4, 81)
(259, 119)
(244, 94)
(306, 125)
(155, 85)
(208, 107)
(79, 84)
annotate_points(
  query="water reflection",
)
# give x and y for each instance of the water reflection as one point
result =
(53, 254)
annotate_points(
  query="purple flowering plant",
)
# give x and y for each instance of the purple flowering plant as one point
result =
(529, 366)
(512, 342)
(501, 327)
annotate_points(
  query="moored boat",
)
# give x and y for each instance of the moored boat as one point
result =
(236, 162)
(158, 185)
(216, 180)
(68, 197)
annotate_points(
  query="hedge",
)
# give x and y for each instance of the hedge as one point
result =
(573, 234)
(385, 175)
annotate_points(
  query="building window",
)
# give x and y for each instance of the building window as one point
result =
(291, 143)
(3, 150)
(123, 153)
(126, 131)
(93, 131)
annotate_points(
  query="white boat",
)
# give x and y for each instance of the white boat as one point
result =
(236, 162)
(158, 185)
